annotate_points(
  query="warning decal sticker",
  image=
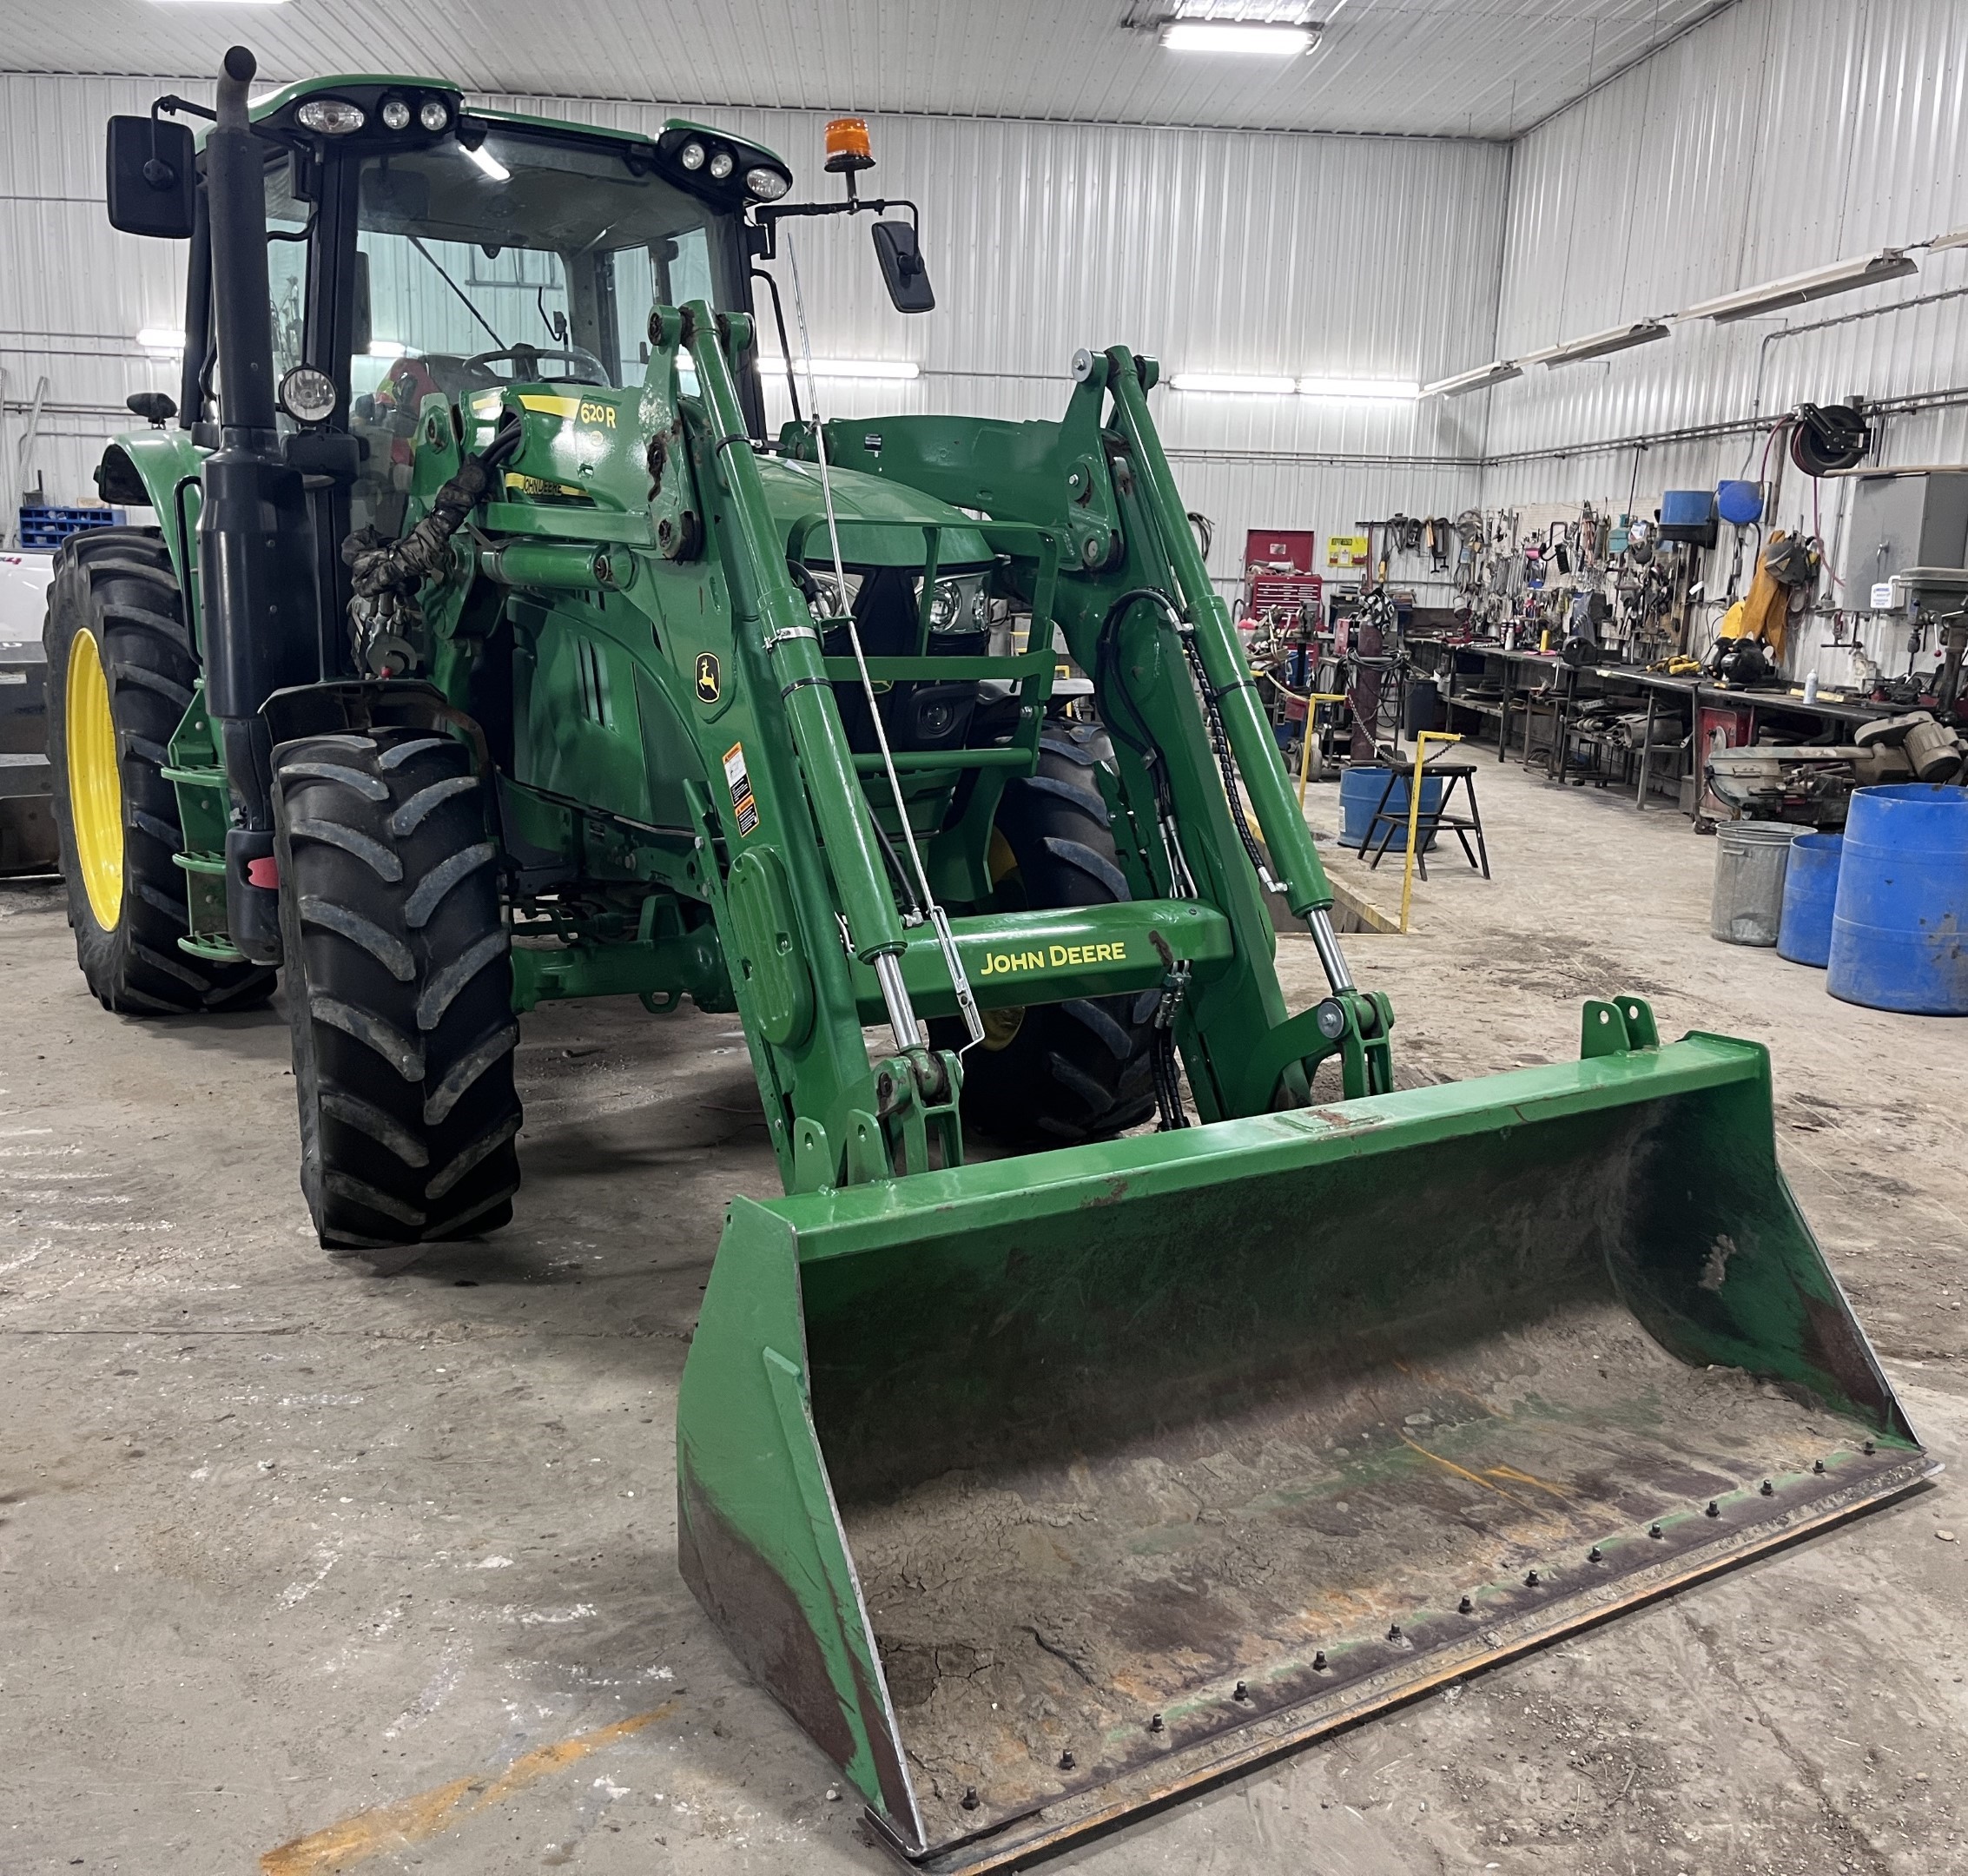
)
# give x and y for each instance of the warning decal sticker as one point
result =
(740, 784)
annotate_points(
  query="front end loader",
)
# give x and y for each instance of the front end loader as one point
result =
(487, 652)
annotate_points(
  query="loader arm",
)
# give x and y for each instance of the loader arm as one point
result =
(1140, 617)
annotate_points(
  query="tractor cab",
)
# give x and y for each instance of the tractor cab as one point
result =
(416, 246)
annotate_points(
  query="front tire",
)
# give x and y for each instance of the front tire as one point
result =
(399, 991)
(1054, 1074)
(121, 672)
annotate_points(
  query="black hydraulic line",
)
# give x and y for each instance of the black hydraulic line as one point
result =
(911, 910)
(1106, 657)
(1219, 742)
(387, 572)
(1161, 1043)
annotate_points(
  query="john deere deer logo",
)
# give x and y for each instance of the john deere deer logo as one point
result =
(707, 677)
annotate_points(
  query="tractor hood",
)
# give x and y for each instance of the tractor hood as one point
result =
(881, 523)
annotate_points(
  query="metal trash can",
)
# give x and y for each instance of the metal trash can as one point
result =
(1750, 860)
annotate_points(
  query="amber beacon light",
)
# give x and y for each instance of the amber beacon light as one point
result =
(848, 148)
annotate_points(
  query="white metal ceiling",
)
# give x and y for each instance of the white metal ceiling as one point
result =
(1455, 67)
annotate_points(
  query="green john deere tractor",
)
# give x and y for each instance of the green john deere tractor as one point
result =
(486, 650)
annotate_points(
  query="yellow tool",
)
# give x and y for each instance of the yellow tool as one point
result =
(1422, 742)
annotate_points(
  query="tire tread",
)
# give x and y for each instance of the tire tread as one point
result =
(402, 999)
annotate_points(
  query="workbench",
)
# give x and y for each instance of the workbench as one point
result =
(1535, 681)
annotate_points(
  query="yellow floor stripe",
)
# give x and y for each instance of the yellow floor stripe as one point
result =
(410, 1820)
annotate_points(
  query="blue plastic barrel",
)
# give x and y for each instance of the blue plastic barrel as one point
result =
(1899, 930)
(1811, 890)
(1359, 795)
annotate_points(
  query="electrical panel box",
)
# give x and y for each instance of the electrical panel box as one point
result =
(1900, 521)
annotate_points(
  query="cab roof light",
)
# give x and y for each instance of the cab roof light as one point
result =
(331, 116)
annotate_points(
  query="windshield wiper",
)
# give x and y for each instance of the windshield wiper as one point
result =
(416, 241)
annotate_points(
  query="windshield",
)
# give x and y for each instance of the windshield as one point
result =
(532, 258)
(527, 242)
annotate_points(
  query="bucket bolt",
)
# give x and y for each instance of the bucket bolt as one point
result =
(1394, 1631)
(1240, 1692)
(1318, 1661)
(1530, 1579)
(1155, 1724)
(1768, 1489)
(1818, 1467)
(1465, 1607)
(1595, 1555)
(1068, 1761)
(1713, 1511)
(1653, 1530)
(1870, 1449)
(971, 1800)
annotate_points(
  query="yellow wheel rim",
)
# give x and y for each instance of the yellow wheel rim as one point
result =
(95, 784)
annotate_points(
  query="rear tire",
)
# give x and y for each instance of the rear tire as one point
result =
(399, 991)
(1058, 1073)
(120, 674)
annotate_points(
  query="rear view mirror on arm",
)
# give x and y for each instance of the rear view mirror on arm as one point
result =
(152, 177)
(902, 269)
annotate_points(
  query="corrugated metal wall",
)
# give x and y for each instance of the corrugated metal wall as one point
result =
(1784, 135)
(1215, 251)
(73, 292)
(1781, 134)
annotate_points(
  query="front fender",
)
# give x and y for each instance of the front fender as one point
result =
(143, 471)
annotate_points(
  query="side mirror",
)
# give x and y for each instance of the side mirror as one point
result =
(902, 269)
(153, 407)
(152, 178)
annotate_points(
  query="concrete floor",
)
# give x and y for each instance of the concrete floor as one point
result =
(302, 1571)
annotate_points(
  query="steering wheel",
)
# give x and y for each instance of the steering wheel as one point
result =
(526, 362)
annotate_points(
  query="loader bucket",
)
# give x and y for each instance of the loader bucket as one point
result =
(1043, 1491)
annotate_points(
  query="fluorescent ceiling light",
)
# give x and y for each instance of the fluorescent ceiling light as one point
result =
(1954, 238)
(160, 339)
(1841, 276)
(1404, 388)
(1599, 344)
(387, 348)
(1498, 371)
(820, 367)
(490, 165)
(233, 3)
(1234, 383)
(1237, 36)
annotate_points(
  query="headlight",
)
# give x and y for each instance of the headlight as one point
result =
(721, 165)
(396, 114)
(332, 117)
(958, 605)
(434, 115)
(308, 395)
(767, 184)
(691, 156)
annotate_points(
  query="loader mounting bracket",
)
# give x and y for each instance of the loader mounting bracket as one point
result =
(1616, 1027)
